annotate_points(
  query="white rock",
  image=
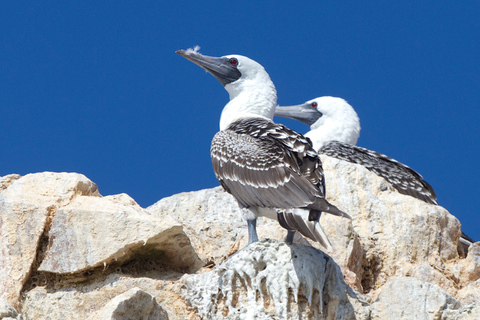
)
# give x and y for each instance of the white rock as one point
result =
(7, 311)
(133, 304)
(212, 220)
(470, 293)
(437, 274)
(8, 180)
(472, 267)
(79, 301)
(271, 279)
(26, 206)
(390, 235)
(93, 231)
(409, 298)
(470, 312)
(395, 230)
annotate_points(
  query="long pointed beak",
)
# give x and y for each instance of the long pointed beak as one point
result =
(219, 67)
(302, 112)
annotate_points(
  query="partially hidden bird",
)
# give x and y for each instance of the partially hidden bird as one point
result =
(334, 131)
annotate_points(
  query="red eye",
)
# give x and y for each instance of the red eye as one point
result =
(233, 61)
(314, 104)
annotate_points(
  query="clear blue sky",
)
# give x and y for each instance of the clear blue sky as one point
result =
(96, 87)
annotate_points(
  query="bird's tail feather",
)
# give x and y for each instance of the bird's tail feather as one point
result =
(321, 204)
(321, 237)
(292, 220)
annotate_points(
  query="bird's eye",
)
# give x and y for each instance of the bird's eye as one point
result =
(233, 61)
(314, 104)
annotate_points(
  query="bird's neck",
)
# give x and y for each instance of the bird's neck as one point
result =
(249, 99)
(346, 131)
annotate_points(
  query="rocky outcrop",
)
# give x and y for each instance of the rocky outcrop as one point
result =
(57, 231)
(398, 233)
(27, 206)
(93, 231)
(66, 252)
(7, 311)
(214, 224)
(410, 298)
(272, 278)
(133, 304)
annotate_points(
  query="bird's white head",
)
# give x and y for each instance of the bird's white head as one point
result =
(329, 118)
(252, 92)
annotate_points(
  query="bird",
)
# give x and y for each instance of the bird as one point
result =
(334, 131)
(271, 170)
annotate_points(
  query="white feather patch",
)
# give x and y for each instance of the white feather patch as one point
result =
(194, 50)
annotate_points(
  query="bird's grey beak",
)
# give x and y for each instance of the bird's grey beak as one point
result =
(302, 112)
(220, 67)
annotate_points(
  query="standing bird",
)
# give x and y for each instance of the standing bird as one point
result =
(335, 128)
(271, 171)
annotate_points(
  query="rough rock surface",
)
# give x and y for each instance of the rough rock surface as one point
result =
(470, 293)
(469, 312)
(92, 231)
(27, 205)
(472, 262)
(211, 219)
(7, 311)
(272, 279)
(409, 298)
(396, 231)
(133, 304)
(79, 300)
(66, 252)
(213, 222)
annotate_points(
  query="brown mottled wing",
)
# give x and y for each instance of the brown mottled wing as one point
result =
(404, 179)
(265, 164)
(258, 173)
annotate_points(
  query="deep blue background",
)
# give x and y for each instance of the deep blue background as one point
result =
(96, 87)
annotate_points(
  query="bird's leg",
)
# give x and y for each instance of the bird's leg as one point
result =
(252, 231)
(250, 214)
(289, 237)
